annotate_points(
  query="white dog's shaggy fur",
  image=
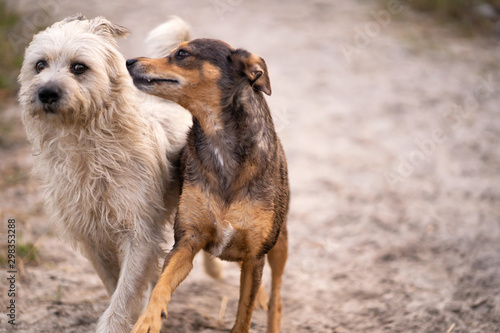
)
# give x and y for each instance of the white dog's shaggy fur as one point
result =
(103, 151)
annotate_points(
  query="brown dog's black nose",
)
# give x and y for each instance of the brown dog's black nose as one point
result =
(130, 62)
(49, 95)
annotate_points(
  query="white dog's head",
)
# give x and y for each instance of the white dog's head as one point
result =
(72, 70)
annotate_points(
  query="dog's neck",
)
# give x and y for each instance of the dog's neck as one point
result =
(237, 141)
(122, 111)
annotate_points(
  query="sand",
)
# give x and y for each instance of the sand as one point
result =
(391, 127)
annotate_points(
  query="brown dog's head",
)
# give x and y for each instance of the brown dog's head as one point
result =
(202, 70)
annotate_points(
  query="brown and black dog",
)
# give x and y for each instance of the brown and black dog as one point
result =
(235, 191)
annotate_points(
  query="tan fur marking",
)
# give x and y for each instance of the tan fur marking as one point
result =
(193, 83)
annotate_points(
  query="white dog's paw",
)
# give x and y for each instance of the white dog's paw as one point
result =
(112, 324)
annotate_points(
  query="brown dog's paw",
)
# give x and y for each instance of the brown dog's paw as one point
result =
(150, 321)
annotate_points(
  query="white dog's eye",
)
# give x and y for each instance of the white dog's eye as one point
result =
(40, 66)
(78, 68)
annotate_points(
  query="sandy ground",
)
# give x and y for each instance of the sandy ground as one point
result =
(391, 131)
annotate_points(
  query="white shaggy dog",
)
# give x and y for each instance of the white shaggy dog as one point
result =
(104, 152)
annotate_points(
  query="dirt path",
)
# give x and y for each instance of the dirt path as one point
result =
(392, 133)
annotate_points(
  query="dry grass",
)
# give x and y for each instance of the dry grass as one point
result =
(11, 60)
(461, 13)
(26, 254)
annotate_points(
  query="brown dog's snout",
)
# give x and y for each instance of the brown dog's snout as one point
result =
(131, 62)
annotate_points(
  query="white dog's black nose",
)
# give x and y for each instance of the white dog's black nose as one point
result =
(130, 62)
(49, 95)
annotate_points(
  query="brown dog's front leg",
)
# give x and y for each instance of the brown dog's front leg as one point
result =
(178, 264)
(251, 277)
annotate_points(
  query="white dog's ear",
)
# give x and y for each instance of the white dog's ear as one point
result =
(76, 17)
(103, 27)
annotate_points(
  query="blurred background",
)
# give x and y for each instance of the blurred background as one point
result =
(389, 114)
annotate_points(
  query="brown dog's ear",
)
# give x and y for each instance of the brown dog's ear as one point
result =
(103, 27)
(255, 68)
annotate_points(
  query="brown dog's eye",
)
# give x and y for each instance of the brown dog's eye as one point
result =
(181, 54)
(40, 66)
(78, 69)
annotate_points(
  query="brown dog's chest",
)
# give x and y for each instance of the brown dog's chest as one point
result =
(235, 230)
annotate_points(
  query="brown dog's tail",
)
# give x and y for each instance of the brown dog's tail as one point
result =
(165, 37)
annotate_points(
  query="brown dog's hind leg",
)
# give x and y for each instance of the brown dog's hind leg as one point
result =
(277, 259)
(262, 299)
(178, 264)
(251, 277)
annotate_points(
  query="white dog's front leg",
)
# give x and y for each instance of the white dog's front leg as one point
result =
(139, 267)
(105, 262)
